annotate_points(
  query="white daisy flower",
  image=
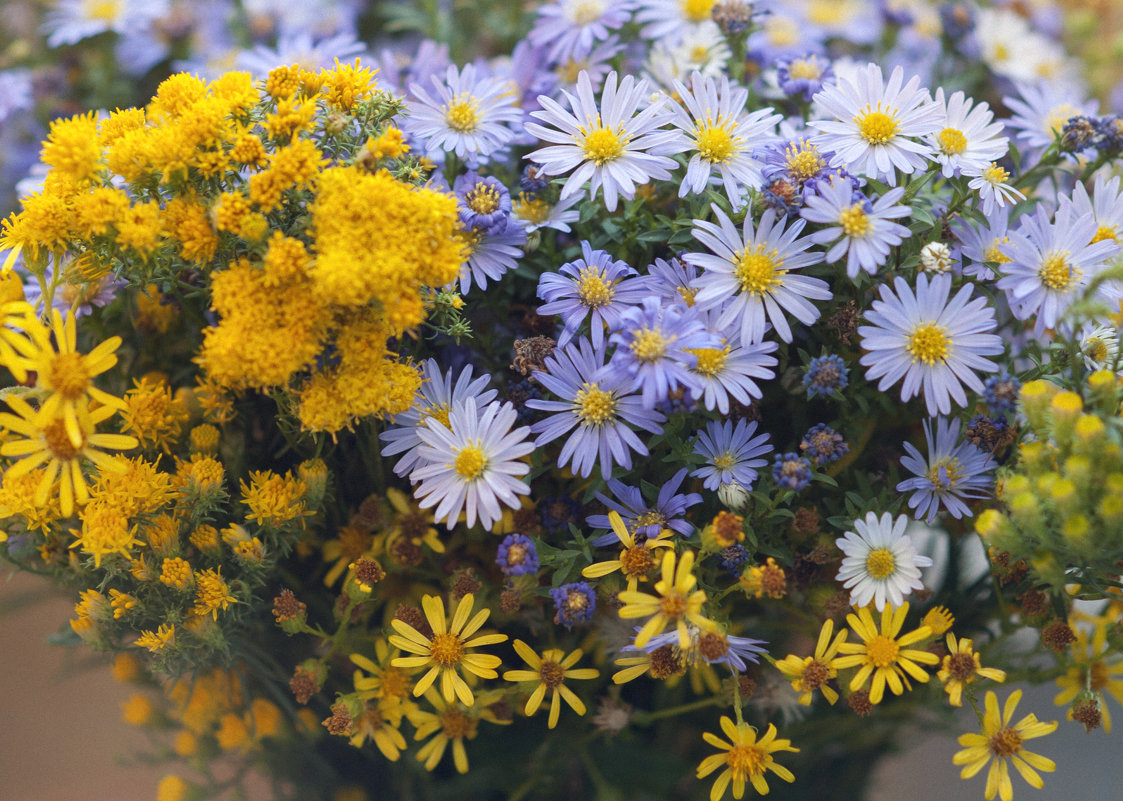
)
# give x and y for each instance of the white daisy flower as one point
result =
(472, 464)
(1100, 347)
(751, 275)
(664, 20)
(968, 138)
(715, 128)
(991, 184)
(701, 48)
(876, 124)
(71, 21)
(881, 564)
(607, 144)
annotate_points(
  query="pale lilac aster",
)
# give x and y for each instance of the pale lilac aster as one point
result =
(655, 347)
(731, 453)
(853, 21)
(877, 126)
(639, 516)
(473, 464)
(881, 565)
(673, 281)
(71, 21)
(738, 653)
(483, 203)
(470, 115)
(1051, 262)
(935, 344)
(597, 62)
(490, 255)
(728, 370)
(967, 138)
(720, 136)
(954, 470)
(1105, 205)
(980, 245)
(15, 91)
(605, 145)
(571, 27)
(435, 398)
(596, 406)
(535, 212)
(803, 75)
(397, 70)
(320, 18)
(783, 32)
(594, 287)
(864, 229)
(751, 273)
(664, 20)
(1041, 111)
(991, 182)
(701, 48)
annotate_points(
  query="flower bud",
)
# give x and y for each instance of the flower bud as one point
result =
(1034, 400)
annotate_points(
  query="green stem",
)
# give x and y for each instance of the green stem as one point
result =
(644, 718)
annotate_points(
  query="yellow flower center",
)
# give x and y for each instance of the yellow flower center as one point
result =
(439, 412)
(101, 10)
(876, 126)
(594, 405)
(1057, 274)
(603, 145)
(649, 346)
(570, 71)
(463, 114)
(1058, 116)
(815, 674)
(1105, 232)
(880, 563)
(395, 684)
(651, 518)
(551, 673)
(781, 31)
(952, 141)
(592, 290)
(637, 561)
(994, 254)
(855, 222)
(673, 605)
(471, 462)
(533, 210)
(928, 343)
(585, 12)
(446, 649)
(714, 142)
(725, 461)
(58, 441)
(711, 361)
(756, 271)
(1095, 348)
(882, 651)
(946, 473)
(697, 10)
(455, 724)
(804, 69)
(803, 161)
(68, 375)
(746, 760)
(995, 175)
(483, 199)
(1005, 742)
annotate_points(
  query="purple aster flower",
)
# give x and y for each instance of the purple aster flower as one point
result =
(729, 371)
(825, 374)
(596, 406)
(863, 229)
(595, 286)
(733, 558)
(490, 255)
(713, 647)
(672, 281)
(71, 21)
(1043, 109)
(15, 91)
(803, 75)
(935, 344)
(517, 556)
(1001, 393)
(655, 347)
(823, 444)
(300, 48)
(981, 244)
(953, 471)
(791, 471)
(730, 453)
(485, 204)
(639, 517)
(573, 603)
(570, 28)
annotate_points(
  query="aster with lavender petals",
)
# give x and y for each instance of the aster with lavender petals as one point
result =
(490, 254)
(570, 28)
(861, 229)
(596, 406)
(573, 603)
(517, 556)
(642, 518)
(484, 203)
(791, 471)
(713, 648)
(803, 75)
(825, 374)
(953, 471)
(730, 453)
(934, 344)
(728, 371)
(981, 244)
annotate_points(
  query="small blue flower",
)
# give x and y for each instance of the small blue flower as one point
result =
(791, 471)
(574, 603)
(824, 375)
(823, 444)
(1001, 393)
(644, 520)
(730, 453)
(485, 203)
(952, 472)
(733, 558)
(803, 74)
(517, 556)
(558, 512)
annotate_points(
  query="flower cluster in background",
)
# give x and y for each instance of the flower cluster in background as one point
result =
(394, 387)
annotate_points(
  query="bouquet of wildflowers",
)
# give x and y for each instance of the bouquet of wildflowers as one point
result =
(671, 401)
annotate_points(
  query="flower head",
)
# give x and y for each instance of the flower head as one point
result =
(730, 452)
(638, 557)
(551, 670)
(961, 667)
(953, 471)
(825, 374)
(676, 602)
(745, 758)
(883, 654)
(861, 229)
(517, 556)
(791, 471)
(573, 603)
(813, 672)
(881, 561)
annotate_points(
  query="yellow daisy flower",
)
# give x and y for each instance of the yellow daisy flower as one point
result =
(811, 673)
(745, 758)
(961, 666)
(1091, 672)
(1000, 744)
(636, 560)
(883, 654)
(451, 723)
(550, 670)
(381, 722)
(675, 603)
(447, 649)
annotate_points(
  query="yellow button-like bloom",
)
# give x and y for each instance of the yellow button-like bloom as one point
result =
(1000, 743)
(550, 670)
(675, 603)
(961, 666)
(744, 758)
(883, 654)
(811, 673)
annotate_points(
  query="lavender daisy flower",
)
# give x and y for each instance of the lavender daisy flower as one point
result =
(300, 48)
(953, 471)
(655, 347)
(876, 124)
(968, 138)
(470, 115)
(751, 274)
(729, 371)
(730, 453)
(1105, 206)
(881, 564)
(570, 28)
(639, 517)
(712, 647)
(669, 19)
(490, 255)
(991, 184)
(71, 21)
(573, 603)
(517, 556)
(535, 212)
(934, 344)
(435, 399)
(1051, 263)
(673, 281)
(803, 75)
(595, 286)
(596, 402)
(825, 374)
(863, 229)
(823, 444)
(981, 244)
(473, 464)
(791, 471)
(484, 203)
(606, 145)
(1043, 109)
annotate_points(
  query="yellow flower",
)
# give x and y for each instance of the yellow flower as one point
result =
(384, 681)
(1091, 672)
(381, 721)
(16, 316)
(153, 415)
(211, 593)
(1000, 743)
(273, 499)
(961, 666)
(883, 654)
(813, 672)
(157, 640)
(674, 604)
(744, 758)
(636, 560)
(550, 670)
(448, 648)
(172, 788)
(105, 531)
(347, 84)
(452, 723)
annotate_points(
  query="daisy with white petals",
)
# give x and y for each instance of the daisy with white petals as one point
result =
(881, 565)
(606, 145)
(864, 229)
(968, 139)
